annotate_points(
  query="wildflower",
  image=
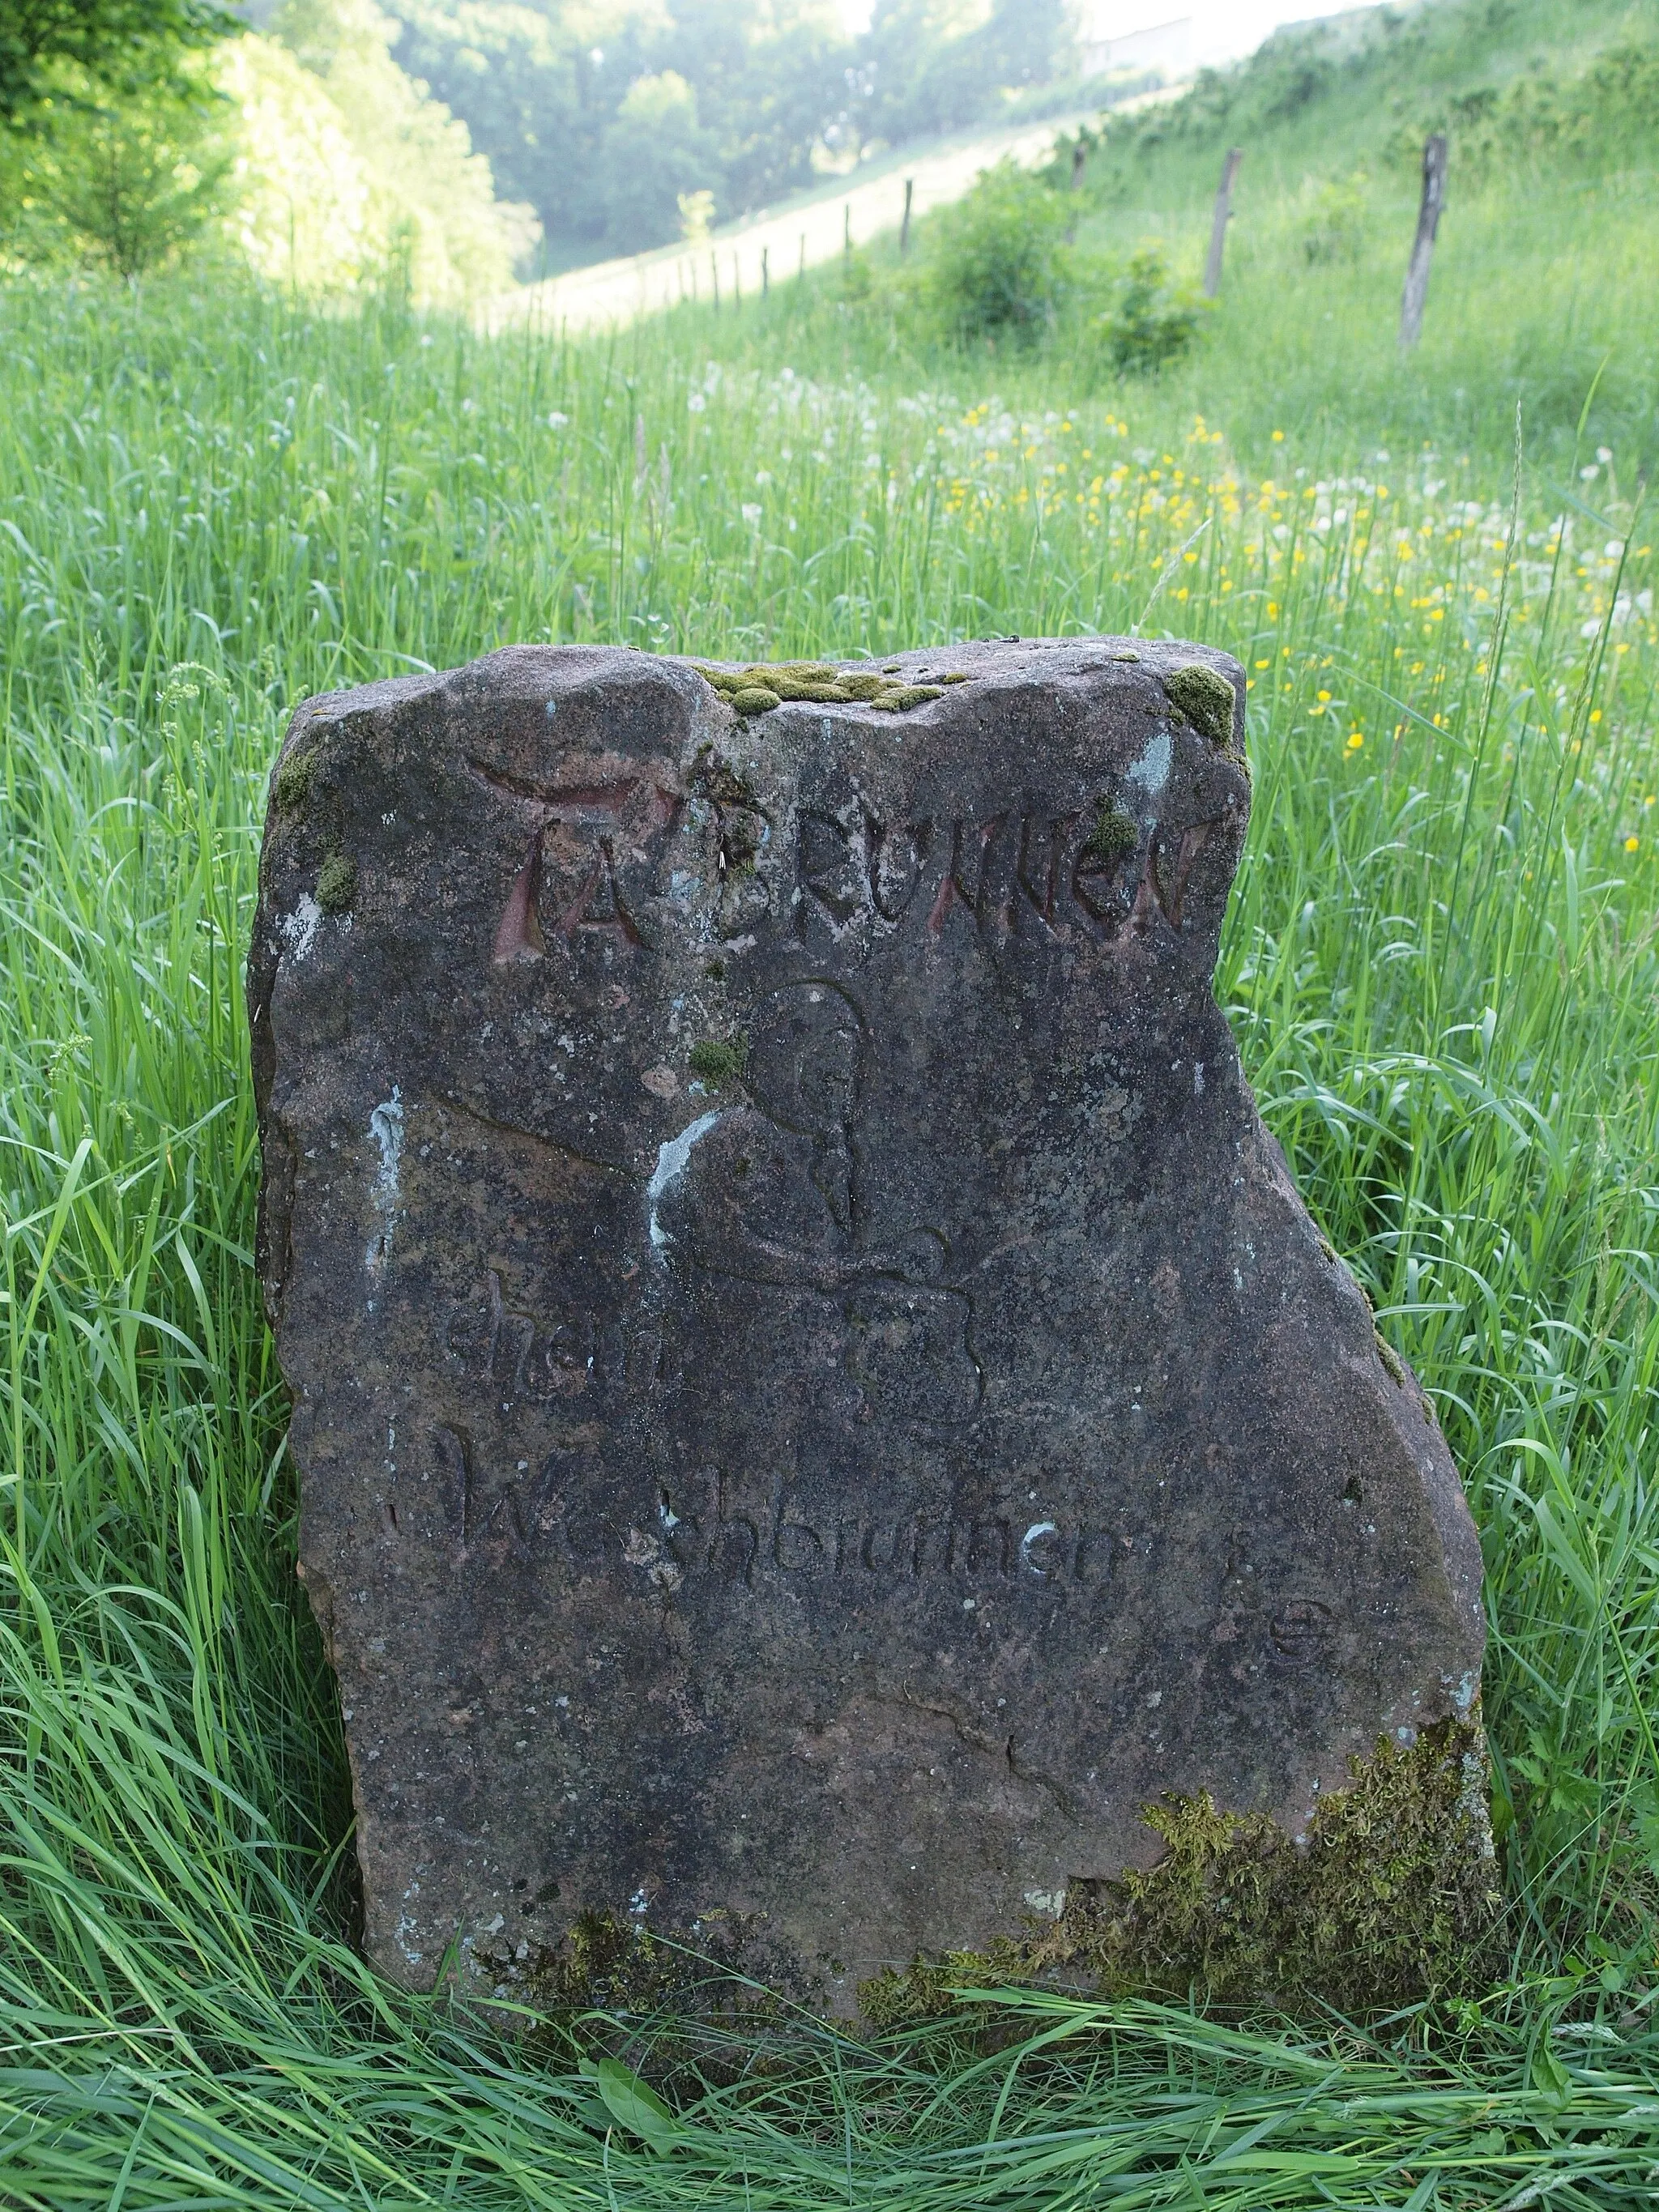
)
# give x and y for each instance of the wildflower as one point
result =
(1279, 437)
(1356, 738)
(1632, 844)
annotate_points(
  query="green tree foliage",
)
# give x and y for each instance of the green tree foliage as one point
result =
(131, 180)
(546, 88)
(654, 154)
(918, 72)
(120, 44)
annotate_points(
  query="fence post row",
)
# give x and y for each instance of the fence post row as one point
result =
(1416, 294)
(1224, 210)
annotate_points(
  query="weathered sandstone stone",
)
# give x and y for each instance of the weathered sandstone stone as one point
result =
(815, 1395)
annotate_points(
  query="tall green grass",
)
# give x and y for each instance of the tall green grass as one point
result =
(1440, 962)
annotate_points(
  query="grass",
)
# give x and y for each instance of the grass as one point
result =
(1440, 963)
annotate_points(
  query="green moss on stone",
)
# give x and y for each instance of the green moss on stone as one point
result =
(719, 1062)
(1390, 1357)
(755, 699)
(336, 883)
(1392, 1899)
(293, 780)
(765, 684)
(1115, 834)
(1205, 698)
(901, 698)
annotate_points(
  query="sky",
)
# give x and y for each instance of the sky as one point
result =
(1222, 32)
(1224, 29)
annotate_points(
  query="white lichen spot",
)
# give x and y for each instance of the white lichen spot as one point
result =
(1051, 1901)
(671, 1159)
(385, 1126)
(300, 928)
(1036, 1533)
(1152, 771)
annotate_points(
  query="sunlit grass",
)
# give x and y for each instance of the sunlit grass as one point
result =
(1440, 963)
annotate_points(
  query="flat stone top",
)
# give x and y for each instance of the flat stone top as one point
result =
(816, 1397)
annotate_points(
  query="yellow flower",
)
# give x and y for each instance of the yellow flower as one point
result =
(1324, 698)
(1632, 844)
(1279, 437)
(1355, 741)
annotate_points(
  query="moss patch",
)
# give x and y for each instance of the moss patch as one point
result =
(1116, 833)
(719, 1062)
(336, 883)
(1205, 698)
(292, 786)
(1394, 1897)
(765, 684)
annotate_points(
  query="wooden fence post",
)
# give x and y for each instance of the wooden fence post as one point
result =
(904, 226)
(1223, 217)
(766, 276)
(847, 230)
(1428, 222)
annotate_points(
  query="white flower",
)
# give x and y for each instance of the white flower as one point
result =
(1588, 473)
(555, 421)
(762, 475)
(1604, 453)
(696, 403)
(751, 515)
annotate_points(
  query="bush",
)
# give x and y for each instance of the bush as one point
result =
(1155, 320)
(1334, 227)
(998, 260)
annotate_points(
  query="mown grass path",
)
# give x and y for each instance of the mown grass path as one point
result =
(1440, 963)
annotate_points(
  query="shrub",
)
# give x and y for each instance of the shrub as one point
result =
(1334, 227)
(1155, 320)
(997, 263)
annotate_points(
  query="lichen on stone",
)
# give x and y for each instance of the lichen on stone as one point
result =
(1205, 698)
(336, 883)
(1393, 1898)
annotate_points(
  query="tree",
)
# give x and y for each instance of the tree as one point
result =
(136, 179)
(117, 43)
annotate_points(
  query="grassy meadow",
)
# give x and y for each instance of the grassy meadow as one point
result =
(1440, 963)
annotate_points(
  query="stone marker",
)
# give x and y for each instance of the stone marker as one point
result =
(815, 1398)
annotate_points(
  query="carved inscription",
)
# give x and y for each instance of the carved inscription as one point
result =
(526, 1361)
(998, 875)
(583, 842)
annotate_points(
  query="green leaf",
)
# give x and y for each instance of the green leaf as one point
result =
(1550, 2076)
(632, 2104)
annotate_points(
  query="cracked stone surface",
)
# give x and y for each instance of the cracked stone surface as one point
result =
(814, 1396)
